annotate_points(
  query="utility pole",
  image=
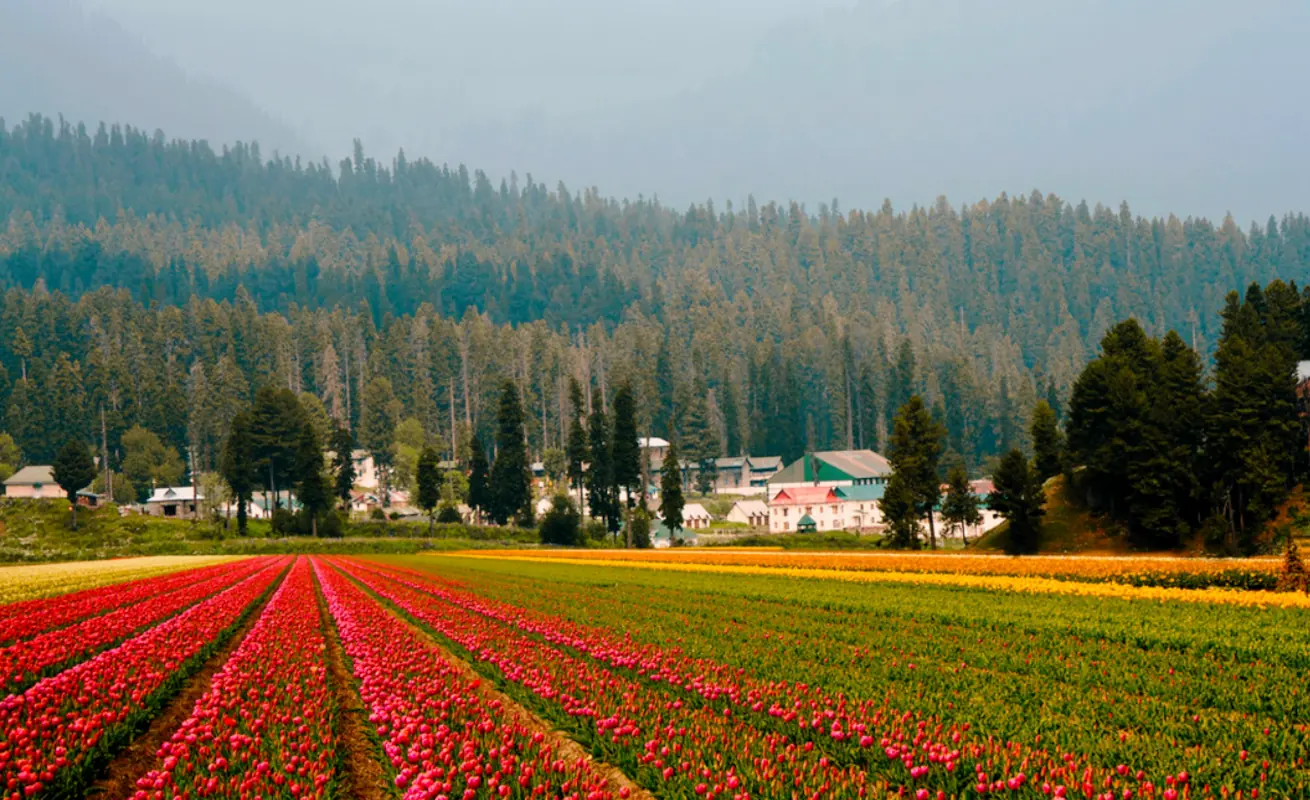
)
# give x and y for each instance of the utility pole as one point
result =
(104, 453)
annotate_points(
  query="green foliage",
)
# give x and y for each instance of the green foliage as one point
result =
(1018, 496)
(602, 493)
(639, 528)
(561, 524)
(238, 465)
(625, 449)
(429, 482)
(11, 457)
(511, 477)
(479, 486)
(343, 463)
(1048, 442)
(556, 464)
(577, 447)
(671, 502)
(73, 471)
(311, 483)
(901, 512)
(148, 462)
(449, 514)
(960, 507)
(916, 451)
(276, 421)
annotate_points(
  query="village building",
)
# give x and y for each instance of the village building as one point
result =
(695, 517)
(833, 468)
(33, 483)
(754, 513)
(800, 508)
(861, 506)
(173, 502)
(654, 449)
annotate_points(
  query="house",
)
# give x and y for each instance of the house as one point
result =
(861, 505)
(661, 536)
(654, 449)
(33, 483)
(822, 505)
(88, 498)
(695, 517)
(833, 468)
(173, 501)
(762, 468)
(750, 512)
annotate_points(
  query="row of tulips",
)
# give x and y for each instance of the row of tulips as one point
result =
(25, 662)
(266, 725)
(27, 619)
(921, 748)
(673, 747)
(58, 733)
(440, 736)
(22, 583)
(1194, 573)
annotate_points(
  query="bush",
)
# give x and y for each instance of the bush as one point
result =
(448, 515)
(639, 529)
(377, 513)
(595, 531)
(332, 526)
(284, 522)
(560, 525)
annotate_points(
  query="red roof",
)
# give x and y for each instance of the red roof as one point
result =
(799, 495)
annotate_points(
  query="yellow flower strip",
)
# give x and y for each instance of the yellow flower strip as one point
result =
(1008, 583)
(30, 581)
(1073, 566)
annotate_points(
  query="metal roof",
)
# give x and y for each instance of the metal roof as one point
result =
(32, 476)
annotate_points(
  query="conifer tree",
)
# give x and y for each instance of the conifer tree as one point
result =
(626, 448)
(671, 502)
(343, 464)
(479, 480)
(511, 478)
(916, 451)
(428, 480)
(900, 512)
(601, 494)
(311, 486)
(960, 506)
(577, 447)
(73, 471)
(237, 465)
(1048, 442)
(1019, 498)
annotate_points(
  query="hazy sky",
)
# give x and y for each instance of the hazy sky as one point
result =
(1190, 106)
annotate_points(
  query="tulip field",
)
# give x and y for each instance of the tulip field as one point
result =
(527, 675)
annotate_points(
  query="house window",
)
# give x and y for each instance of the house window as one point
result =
(784, 511)
(786, 526)
(834, 509)
(809, 509)
(820, 524)
(170, 511)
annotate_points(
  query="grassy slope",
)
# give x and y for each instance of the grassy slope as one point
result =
(40, 531)
(1068, 527)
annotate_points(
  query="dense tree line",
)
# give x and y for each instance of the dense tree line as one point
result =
(1175, 456)
(771, 327)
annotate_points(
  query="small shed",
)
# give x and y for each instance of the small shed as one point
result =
(806, 524)
(695, 517)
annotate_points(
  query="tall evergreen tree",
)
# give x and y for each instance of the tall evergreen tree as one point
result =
(480, 499)
(577, 448)
(671, 502)
(73, 471)
(1048, 442)
(377, 428)
(428, 480)
(700, 439)
(626, 448)
(916, 451)
(343, 464)
(311, 486)
(238, 466)
(1019, 498)
(900, 512)
(511, 478)
(276, 420)
(602, 496)
(960, 506)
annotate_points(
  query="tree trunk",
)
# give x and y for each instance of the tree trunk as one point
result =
(74, 501)
(430, 518)
(932, 530)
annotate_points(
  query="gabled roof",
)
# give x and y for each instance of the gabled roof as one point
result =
(652, 441)
(751, 508)
(173, 494)
(765, 463)
(730, 462)
(834, 465)
(31, 476)
(695, 511)
(799, 495)
(862, 492)
(805, 520)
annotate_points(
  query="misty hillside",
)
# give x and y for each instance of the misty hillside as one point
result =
(58, 59)
(1183, 106)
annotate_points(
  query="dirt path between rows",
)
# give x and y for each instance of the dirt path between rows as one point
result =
(134, 760)
(361, 774)
(562, 743)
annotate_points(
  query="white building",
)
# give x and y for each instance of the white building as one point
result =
(173, 501)
(695, 517)
(750, 512)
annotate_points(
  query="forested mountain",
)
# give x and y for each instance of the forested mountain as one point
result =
(1184, 106)
(165, 281)
(59, 59)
